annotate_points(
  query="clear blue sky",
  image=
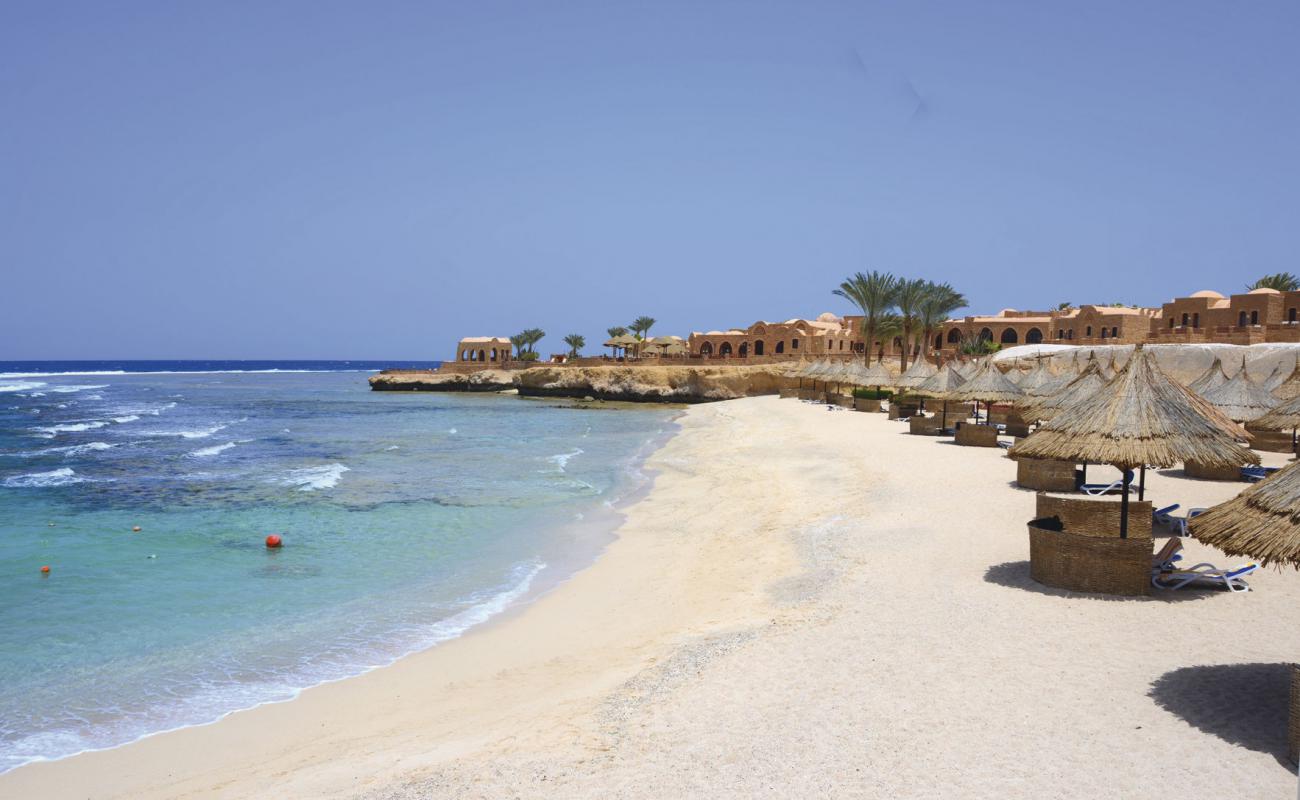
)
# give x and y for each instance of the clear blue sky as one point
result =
(374, 180)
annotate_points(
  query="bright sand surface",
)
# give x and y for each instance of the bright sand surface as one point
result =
(807, 603)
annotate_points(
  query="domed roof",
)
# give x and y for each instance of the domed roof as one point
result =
(827, 316)
(1264, 290)
(1207, 293)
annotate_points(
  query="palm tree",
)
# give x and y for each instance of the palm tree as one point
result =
(888, 328)
(939, 302)
(616, 331)
(531, 337)
(873, 294)
(520, 341)
(908, 296)
(641, 326)
(1282, 281)
(576, 342)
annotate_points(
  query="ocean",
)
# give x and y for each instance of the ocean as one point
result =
(406, 518)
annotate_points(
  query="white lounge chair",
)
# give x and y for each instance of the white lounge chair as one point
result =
(1203, 575)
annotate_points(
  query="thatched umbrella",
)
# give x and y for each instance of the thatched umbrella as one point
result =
(1212, 378)
(622, 342)
(1039, 381)
(1241, 399)
(1072, 394)
(915, 374)
(1262, 523)
(875, 375)
(1141, 417)
(1290, 385)
(941, 385)
(988, 385)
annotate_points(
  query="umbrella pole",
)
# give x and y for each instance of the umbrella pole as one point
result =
(1142, 483)
(1123, 505)
(1085, 472)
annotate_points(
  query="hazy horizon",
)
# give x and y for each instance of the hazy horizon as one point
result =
(332, 181)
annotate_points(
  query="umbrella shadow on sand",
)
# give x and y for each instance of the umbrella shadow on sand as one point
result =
(1015, 575)
(1242, 704)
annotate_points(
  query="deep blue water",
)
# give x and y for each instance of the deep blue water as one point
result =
(407, 518)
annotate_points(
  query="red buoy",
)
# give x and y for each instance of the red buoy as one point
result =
(45, 570)
(273, 541)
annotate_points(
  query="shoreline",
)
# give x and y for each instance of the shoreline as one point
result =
(805, 603)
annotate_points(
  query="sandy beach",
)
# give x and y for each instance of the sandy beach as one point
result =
(806, 603)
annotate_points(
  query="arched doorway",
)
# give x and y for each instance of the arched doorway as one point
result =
(986, 335)
(464, 355)
(1034, 336)
(954, 336)
(482, 356)
(725, 350)
(744, 350)
(780, 347)
(706, 349)
(758, 347)
(1009, 336)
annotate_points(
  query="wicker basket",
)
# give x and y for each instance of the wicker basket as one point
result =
(1084, 563)
(923, 426)
(1087, 516)
(1193, 470)
(1048, 476)
(1293, 732)
(977, 435)
(866, 404)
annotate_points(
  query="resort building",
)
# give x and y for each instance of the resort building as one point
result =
(489, 349)
(825, 335)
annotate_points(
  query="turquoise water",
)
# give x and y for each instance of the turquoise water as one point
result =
(407, 518)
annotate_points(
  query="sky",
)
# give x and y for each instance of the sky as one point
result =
(375, 180)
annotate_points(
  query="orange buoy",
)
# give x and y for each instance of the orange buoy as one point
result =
(45, 570)
(136, 529)
(273, 541)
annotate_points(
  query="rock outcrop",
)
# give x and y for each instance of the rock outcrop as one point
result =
(488, 380)
(653, 384)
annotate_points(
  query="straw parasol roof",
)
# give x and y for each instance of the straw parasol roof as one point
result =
(1212, 378)
(941, 383)
(989, 385)
(1141, 417)
(1290, 385)
(1039, 381)
(1241, 399)
(915, 375)
(1286, 415)
(1074, 393)
(1262, 523)
(875, 375)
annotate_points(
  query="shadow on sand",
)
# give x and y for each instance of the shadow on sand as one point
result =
(1015, 575)
(1242, 704)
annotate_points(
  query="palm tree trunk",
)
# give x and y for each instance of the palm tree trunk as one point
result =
(871, 340)
(907, 343)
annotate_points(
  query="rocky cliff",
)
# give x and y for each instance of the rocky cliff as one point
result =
(666, 384)
(488, 380)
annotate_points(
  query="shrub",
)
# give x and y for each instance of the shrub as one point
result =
(873, 394)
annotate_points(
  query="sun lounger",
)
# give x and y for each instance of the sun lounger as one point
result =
(1206, 575)
(1167, 555)
(1099, 489)
(1165, 516)
(1256, 474)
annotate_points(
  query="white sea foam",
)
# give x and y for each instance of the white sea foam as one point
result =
(20, 386)
(126, 419)
(57, 477)
(197, 433)
(561, 460)
(69, 389)
(392, 447)
(309, 479)
(69, 450)
(204, 452)
(451, 430)
(50, 431)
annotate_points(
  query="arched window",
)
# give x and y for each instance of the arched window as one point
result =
(841, 344)
(1184, 320)
(706, 349)
(1254, 318)
(464, 355)
(954, 336)
(780, 347)
(1060, 333)
(758, 347)
(725, 350)
(1069, 334)
(938, 341)
(794, 344)
(1103, 332)
(1291, 316)
(1009, 336)
(1241, 319)
(1196, 320)
(986, 335)
(744, 350)
(1087, 331)
(1114, 332)
(1171, 323)
(492, 354)
(1034, 336)
(482, 356)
